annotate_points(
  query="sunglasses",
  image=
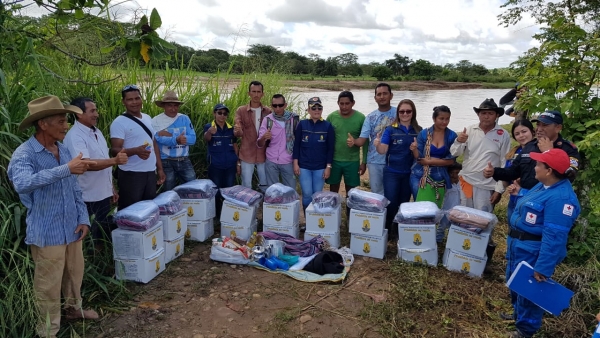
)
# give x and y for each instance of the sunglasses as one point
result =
(278, 105)
(316, 108)
(129, 87)
(223, 113)
(405, 112)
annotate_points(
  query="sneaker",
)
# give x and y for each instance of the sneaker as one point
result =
(73, 313)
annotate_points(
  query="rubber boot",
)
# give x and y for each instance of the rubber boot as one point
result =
(490, 253)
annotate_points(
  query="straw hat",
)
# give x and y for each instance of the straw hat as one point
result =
(169, 97)
(44, 107)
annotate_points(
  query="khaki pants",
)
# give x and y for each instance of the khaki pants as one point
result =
(57, 268)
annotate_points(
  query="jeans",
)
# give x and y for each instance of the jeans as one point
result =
(376, 177)
(273, 170)
(396, 188)
(222, 178)
(248, 174)
(311, 181)
(184, 170)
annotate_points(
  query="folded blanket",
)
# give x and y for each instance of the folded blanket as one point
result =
(326, 201)
(295, 246)
(469, 227)
(418, 213)
(139, 216)
(197, 189)
(280, 194)
(168, 202)
(241, 195)
(366, 201)
(473, 217)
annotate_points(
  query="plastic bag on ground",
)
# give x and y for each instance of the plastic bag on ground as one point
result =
(366, 201)
(241, 195)
(139, 216)
(326, 201)
(226, 255)
(168, 202)
(280, 194)
(197, 189)
(418, 213)
(473, 217)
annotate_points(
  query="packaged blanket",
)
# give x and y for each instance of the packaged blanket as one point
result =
(241, 195)
(197, 189)
(295, 246)
(169, 203)
(418, 213)
(366, 201)
(139, 216)
(326, 201)
(280, 194)
(473, 217)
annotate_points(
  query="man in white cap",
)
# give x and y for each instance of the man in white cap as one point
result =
(43, 173)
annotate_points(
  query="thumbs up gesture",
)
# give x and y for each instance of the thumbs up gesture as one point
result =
(377, 140)
(488, 171)
(237, 128)
(267, 135)
(462, 137)
(413, 145)
(121, 157)
(213, 129)
(350, 141)
(78, 165)
(181, 139)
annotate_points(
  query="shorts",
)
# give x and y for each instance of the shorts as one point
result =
(347, 169)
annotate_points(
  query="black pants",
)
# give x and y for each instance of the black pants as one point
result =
(135, 186)
(101, 225)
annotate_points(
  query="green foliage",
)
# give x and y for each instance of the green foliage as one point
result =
(381, 73)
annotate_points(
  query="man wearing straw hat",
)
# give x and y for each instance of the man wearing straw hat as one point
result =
(174, 135)
(43, 173)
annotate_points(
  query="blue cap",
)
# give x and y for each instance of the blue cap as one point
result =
(220, 106)
(549, 117)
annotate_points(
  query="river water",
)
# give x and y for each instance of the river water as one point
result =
(460, 102)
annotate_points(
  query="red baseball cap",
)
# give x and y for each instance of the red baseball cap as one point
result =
(555, 158)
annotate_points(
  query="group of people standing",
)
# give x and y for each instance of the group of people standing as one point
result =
(62, 185)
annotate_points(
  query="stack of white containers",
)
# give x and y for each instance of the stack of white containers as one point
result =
(416, 232)
(238, 216)
(368, 235)
(324, 217)
(281, 210)
(466, 246)
(174, 220)
(138, 243)
(198, 200)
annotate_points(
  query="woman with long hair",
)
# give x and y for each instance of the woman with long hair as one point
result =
(523, 132)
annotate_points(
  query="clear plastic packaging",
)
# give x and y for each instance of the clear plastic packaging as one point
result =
(280, 194)
(227, 255)
(139, 216)
(326, 201)
(418, 213)
(366, 201)
(241, 195)
(197, 189)
(169, 203)
(468, 216)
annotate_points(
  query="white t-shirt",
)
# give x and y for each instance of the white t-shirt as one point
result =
(134, 136)
(257, 112)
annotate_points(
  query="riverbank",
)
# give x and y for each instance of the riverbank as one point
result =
(339, 85)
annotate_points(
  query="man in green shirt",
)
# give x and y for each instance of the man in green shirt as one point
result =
(347, 124)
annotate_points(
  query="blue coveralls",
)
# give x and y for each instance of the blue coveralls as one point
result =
(549, 213)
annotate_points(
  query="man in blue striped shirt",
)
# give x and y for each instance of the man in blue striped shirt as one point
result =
(43, 174)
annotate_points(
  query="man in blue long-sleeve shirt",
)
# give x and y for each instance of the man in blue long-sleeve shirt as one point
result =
(43, 174)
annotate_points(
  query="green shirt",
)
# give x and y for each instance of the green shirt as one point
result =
(342, 127)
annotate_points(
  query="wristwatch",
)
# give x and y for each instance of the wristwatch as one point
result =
(329, 166)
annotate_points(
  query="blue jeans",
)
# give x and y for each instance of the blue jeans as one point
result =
(274, 170)
(222, 178)
(184, 170)
(376, 177)
(396, 188)
(311, 181)
(248, 175)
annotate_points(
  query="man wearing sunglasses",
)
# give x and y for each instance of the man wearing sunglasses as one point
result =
(276, 133)
(248, 119)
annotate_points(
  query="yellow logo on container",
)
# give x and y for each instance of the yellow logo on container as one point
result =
(178, 226)
(466, 267)
(190, 211)
(418, 259)
(278, 215)
(466, 244)
(232, 234)
(188, 233)
(366, 225)
(321, 137)
(177, 249)
(366, 247)
(153, 242)
(236, 216)
(321, 223)
(417, 239)
(157, 265)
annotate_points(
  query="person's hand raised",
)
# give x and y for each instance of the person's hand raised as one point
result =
(462, 137)
(78, 165)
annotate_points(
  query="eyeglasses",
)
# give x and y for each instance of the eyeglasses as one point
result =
(316, 108)
(223, 113)
(278, 105)
(405, 112)
(130, 87)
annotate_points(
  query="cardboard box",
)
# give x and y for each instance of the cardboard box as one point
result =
(418, 236)
(199, 209)
(367, 223)
(463, 240)
(464, 263)
(281, 214)
(238, 215)
(174, 226)
(200, 231)
(239, 231)
(332, 237)
(367, 245)
(421, 256)
(137, 244)
(141, 269)
(293, 230)
(173, 249)
(323, 222)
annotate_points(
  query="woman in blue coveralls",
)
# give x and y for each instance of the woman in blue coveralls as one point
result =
(222, 152)
(539, 229)
(396, 144)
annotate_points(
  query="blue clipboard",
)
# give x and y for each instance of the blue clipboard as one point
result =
(551, 296)
(597, 332)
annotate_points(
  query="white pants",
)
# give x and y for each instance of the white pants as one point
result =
(480, 200)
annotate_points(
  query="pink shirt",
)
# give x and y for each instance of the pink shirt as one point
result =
(276, 151)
